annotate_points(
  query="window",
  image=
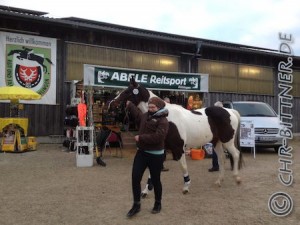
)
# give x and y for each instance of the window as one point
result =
(78, 54)
(237, 78)
(222, 76)
(254, 109)
(254, 79)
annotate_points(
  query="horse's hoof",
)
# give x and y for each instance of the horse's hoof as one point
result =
(238, 180)
(185, 192)
(218, 183)
(144, 195)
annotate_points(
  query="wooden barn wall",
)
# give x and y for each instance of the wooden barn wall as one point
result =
(235, 56)
(48, 119)
(238, 78)
(79, 54)
(45, 120)
(260, 60)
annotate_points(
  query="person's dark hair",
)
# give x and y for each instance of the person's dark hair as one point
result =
(157, 101)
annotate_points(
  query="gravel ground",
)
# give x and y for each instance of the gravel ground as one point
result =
(45, 187)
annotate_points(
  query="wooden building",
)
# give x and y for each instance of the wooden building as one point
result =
(236, 72)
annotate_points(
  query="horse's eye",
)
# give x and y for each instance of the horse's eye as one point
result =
(127, 91)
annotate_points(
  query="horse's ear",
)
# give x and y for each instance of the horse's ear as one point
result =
(133, 82)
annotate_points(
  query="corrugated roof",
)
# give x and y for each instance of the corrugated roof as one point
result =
(19, 10)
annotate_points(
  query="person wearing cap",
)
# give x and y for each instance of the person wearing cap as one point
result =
(153, 128)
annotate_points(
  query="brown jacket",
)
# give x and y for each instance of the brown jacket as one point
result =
(152, 129)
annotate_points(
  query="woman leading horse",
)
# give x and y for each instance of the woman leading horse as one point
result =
(188, 129)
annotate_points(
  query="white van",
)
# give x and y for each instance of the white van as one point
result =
(266, 122)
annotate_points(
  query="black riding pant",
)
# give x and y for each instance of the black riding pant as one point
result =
(215, 163)
(142, 160)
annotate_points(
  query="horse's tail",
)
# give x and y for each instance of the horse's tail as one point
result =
(237, 132)
(237, 141)
(241, 161)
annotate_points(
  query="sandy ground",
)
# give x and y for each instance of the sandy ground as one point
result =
(46, 187)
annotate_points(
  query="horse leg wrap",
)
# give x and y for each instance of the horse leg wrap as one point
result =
(187, 182)
(187, 179)
(145, 192)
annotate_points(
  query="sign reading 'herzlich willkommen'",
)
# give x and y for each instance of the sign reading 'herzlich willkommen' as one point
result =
(29, 61)
(119, 77)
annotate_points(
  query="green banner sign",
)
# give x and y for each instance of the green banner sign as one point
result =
(158, 80)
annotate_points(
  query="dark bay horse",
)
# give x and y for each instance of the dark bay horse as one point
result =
(188, 129)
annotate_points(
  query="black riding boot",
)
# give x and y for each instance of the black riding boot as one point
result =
(156, 208)
(134, 210)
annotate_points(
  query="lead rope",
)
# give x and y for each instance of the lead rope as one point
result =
(126, 120)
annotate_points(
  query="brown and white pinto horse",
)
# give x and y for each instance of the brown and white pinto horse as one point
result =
(188, 129)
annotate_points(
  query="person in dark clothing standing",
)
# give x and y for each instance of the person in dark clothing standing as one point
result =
(153, 128)
(215, 163)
